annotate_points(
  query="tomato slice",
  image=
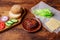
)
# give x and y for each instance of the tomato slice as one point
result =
(2, 25)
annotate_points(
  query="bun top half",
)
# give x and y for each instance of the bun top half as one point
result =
(16, 9)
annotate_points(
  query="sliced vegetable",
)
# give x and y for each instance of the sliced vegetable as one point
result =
(4, 18)
(8, 24)
(2, 25)
(11, 22)
(14, 20)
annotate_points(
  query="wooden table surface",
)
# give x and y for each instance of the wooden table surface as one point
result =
(17, 33)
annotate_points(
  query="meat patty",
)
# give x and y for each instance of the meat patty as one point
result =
(30, 24)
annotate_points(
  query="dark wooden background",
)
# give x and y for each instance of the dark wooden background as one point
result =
(17, 33)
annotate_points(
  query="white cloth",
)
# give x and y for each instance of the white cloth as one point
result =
(43, 5)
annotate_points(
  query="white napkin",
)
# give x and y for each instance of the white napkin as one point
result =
(43, 5)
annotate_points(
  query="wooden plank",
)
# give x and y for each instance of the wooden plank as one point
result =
(17, 33)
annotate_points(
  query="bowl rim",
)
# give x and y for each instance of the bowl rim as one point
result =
(39, 26)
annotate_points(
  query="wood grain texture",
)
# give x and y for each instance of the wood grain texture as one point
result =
(17, 33)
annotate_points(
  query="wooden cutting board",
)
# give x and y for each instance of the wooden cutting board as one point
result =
(17, 33)
(6, 13)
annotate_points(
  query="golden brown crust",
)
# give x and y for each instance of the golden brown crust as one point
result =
(11, 15)
(16, 9)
